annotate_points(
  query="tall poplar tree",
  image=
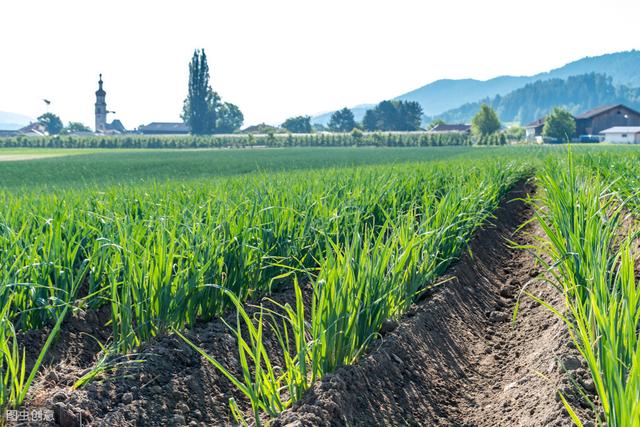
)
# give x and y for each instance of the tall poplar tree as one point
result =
(200, 112)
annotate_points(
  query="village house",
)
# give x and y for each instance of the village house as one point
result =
(452, 128)
(32, 129)
(534, 129)
(622, 135)
(163, 128)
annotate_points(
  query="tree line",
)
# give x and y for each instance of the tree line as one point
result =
(53, 125)
(387, 116)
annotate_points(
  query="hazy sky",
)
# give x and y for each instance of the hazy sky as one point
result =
(280, 58)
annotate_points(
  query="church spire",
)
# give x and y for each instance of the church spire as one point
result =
(101, 108)
(100, 91)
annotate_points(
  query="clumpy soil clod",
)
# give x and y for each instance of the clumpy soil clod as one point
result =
(455, 359)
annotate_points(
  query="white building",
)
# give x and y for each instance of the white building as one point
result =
(622, 135)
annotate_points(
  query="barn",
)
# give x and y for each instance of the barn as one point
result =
(163, 128)
(593, 122)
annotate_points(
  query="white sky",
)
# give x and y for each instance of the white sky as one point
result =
(280, 58)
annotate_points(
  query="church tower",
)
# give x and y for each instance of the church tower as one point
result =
(101, 108)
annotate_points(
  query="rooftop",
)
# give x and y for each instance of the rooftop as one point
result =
(536, 123)
(165, 127)
(450, 128)
(623, 129)
(603, 109)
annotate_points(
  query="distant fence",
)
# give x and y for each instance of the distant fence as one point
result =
(354, 139)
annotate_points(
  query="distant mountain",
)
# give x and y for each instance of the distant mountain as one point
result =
(13, 121)
(443, 95)
(623, 67)
(576, 93)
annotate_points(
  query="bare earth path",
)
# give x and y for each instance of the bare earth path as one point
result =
(18, 157)
(459, 360)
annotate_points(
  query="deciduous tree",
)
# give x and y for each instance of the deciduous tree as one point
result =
(485, 122)
(76, 127)
(299, 124)
(393, 116)
(342, 121)
(559, 124)
(229, 118)
(52, 123)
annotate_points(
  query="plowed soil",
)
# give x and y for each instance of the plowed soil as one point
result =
(455, 359)
(458, 359)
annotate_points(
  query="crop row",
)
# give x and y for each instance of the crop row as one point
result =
(592, 250)
(164, 256)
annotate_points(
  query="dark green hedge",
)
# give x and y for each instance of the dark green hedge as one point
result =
(222, 141)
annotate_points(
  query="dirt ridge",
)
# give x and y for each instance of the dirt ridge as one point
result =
(457, 359)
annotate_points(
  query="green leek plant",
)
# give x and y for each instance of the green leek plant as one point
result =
(13, 384)
(263, 383)
(594, 269)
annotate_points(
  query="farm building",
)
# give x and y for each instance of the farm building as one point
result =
(534, 129)
(163, 128)
(594, 121)
(622, 135)
(33, 129)
(453, 128)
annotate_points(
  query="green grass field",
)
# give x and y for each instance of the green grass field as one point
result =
(76, 168)
(69, 168)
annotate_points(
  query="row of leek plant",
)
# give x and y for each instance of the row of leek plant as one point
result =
(591, 261)
(153, 252)
(364, 279)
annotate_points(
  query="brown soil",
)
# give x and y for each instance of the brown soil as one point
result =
(455, 359)
(174, 386)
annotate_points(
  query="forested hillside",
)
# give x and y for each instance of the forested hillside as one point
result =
(576, 93)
